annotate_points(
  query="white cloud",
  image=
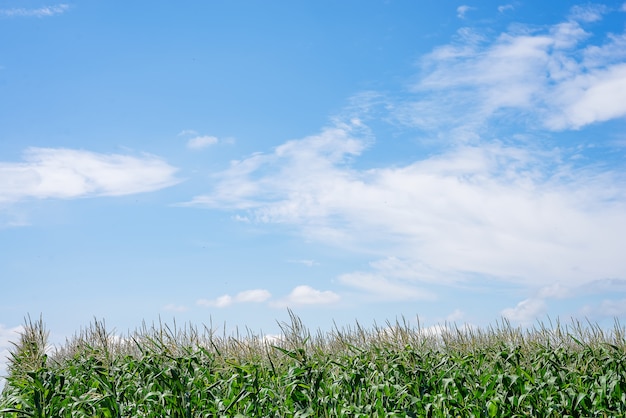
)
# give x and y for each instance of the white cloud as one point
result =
(623, 8)
(597, 97)
(201, 142)
(40, 12)
(521, 215)
(247, 296)
(314, 154)
(198, 142)
(462, 10)
(548, 76)
(526, 311)
(505, 7)
(306, 295)
(67, 173)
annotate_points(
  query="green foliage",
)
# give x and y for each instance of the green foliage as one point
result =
(393, 371)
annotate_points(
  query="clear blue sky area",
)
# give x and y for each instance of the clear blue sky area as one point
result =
(350, 160)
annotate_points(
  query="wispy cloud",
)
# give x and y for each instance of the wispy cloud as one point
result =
(299, 157)
(66, 173)
(461, 11)
(505, 7)
(46, 11)
(247, 296)
(201, 142)
(588, 12)
(520, 214)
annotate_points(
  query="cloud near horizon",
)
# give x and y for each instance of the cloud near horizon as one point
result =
(306, 295)
(517, 209)
(247, 296)
(300, 296)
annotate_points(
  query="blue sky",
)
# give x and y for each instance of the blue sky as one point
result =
(358, 160)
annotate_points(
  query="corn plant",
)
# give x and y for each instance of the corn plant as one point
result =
(391, 371)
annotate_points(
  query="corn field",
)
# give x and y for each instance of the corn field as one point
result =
(392, 371)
